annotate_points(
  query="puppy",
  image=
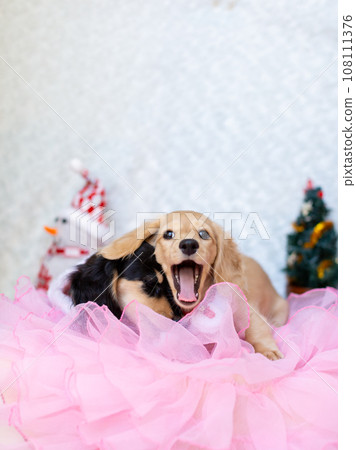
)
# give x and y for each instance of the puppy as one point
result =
(194, 254)
(116, 282)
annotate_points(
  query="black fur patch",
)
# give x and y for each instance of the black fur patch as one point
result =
(92, 280)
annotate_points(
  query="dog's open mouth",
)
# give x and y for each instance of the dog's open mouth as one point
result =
(186, 277)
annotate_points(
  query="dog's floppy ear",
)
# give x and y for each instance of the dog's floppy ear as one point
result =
(129, 242)
(227, 265)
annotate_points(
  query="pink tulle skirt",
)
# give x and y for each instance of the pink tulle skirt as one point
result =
(87, 380)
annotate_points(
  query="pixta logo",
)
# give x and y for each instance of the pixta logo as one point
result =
(91, 226)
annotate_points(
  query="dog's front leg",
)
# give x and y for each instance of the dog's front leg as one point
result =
(259, 335)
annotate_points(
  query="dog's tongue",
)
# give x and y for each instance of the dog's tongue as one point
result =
(186, 280)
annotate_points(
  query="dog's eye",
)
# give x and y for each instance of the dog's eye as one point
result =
(168, 234)
(204, 234)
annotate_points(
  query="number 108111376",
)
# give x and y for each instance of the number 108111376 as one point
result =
(347, 48)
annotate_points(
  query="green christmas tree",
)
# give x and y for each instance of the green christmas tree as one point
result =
(312, 247)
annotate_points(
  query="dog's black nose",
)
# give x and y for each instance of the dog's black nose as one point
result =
(189, 246)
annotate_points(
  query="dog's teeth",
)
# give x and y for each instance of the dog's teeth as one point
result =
(197, 295)
(196, 278)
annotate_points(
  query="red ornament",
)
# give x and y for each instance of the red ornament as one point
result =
(320, 194)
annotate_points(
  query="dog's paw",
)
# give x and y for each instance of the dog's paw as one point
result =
(271, 353)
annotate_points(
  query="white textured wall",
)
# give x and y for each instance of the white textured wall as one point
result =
(169, 94)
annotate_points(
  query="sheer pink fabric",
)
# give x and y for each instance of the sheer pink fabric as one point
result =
(87, 380)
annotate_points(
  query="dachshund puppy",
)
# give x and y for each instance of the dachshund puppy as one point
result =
(116, 282)
(194, 254)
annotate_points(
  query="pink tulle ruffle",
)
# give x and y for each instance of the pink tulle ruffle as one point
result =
(86, 380)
